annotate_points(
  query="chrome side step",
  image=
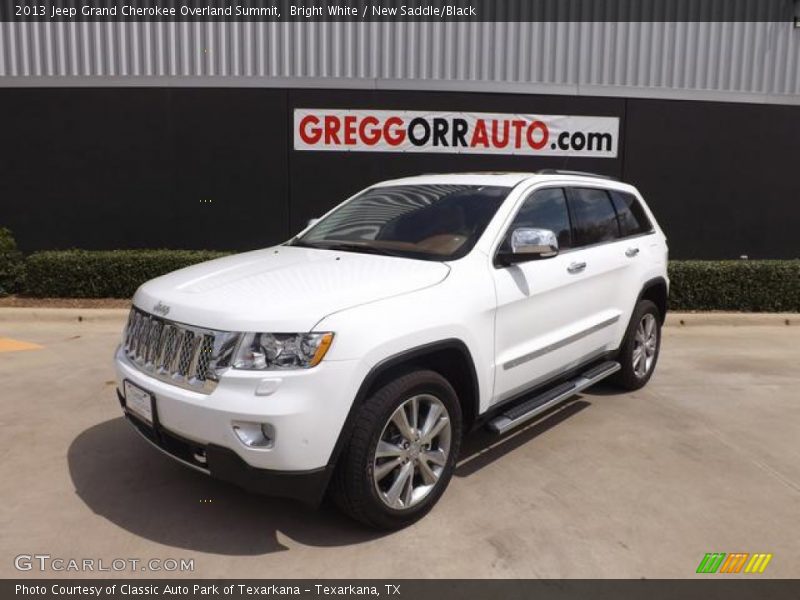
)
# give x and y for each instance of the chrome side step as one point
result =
(528, 409)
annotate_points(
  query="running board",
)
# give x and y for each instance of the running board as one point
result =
(525, 411)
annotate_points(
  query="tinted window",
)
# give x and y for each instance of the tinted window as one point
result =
(594, 216)
(430, 221)
(545, 209)
(632, 218)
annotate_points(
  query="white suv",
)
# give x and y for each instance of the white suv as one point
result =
(354, 357)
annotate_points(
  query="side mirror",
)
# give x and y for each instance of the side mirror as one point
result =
(312, 222)
(529, 243)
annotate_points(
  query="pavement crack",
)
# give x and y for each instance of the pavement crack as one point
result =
(761, 465)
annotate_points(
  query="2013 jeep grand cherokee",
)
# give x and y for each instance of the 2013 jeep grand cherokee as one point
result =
(354, 357)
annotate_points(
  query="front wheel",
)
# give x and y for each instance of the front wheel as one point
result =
(640, 348)
(402, 451)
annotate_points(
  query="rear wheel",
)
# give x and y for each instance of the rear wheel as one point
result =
(402, 451)
(640, 348)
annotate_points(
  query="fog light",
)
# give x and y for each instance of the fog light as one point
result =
(254, 435)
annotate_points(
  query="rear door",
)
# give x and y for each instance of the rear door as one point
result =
(607, 266)
(645, 252)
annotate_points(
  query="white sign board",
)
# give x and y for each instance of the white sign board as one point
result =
(342, 130)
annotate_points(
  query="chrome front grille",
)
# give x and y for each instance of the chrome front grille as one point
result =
(179, 354)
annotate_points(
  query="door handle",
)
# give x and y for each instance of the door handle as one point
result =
(631, 252)
(576, 267)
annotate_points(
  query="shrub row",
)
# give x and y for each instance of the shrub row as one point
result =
(102, 274)
(735, 285)
(743, 285)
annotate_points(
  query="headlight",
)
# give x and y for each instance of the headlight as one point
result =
(260, 351)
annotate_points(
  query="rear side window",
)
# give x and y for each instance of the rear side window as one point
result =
(544, 209)
(632, 218)
(594, 218)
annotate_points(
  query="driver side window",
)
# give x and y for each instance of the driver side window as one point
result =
(544, 209)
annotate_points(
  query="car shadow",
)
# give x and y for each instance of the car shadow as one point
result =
(603, 388)
(482, 447)
(120, 477)
(123, 479)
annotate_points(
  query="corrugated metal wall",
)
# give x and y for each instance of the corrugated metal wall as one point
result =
(736, 61)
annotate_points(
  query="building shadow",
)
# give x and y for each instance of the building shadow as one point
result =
(121, 478)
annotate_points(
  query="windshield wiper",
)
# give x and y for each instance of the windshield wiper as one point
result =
(301, 244)
(355, 247)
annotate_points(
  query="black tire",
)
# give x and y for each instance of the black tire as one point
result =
(627, 377)
(354, 489)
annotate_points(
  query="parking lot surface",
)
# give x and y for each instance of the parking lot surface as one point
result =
(704, 459)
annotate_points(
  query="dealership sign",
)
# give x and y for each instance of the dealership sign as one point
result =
(342, 130)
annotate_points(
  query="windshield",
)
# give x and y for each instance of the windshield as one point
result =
(431, 222)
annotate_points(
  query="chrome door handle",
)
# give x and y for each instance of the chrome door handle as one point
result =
(576, 267)
(631, 252)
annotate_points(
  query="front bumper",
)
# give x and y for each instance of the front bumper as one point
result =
(306, 408)
(224, 464)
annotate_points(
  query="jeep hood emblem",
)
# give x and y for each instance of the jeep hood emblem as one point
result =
(161, 309)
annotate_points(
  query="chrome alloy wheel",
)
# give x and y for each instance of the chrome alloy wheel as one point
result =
(412, 451)
(645, 344)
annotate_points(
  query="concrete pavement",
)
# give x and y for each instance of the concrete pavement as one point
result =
(704, 459)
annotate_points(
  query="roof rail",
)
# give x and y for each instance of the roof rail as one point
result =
(577, 173)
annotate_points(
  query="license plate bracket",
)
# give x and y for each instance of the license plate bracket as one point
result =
(139, 402)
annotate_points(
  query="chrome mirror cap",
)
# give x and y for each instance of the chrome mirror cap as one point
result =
(532, 242)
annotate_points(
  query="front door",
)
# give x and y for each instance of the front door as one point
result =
(556, 313)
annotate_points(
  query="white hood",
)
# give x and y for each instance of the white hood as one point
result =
(282, 289)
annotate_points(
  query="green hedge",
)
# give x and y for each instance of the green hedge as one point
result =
(740, 285)
(735, 285)
(12, 267)
(102, 274)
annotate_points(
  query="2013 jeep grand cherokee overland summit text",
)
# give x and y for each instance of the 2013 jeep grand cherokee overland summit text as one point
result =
(353, 358)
